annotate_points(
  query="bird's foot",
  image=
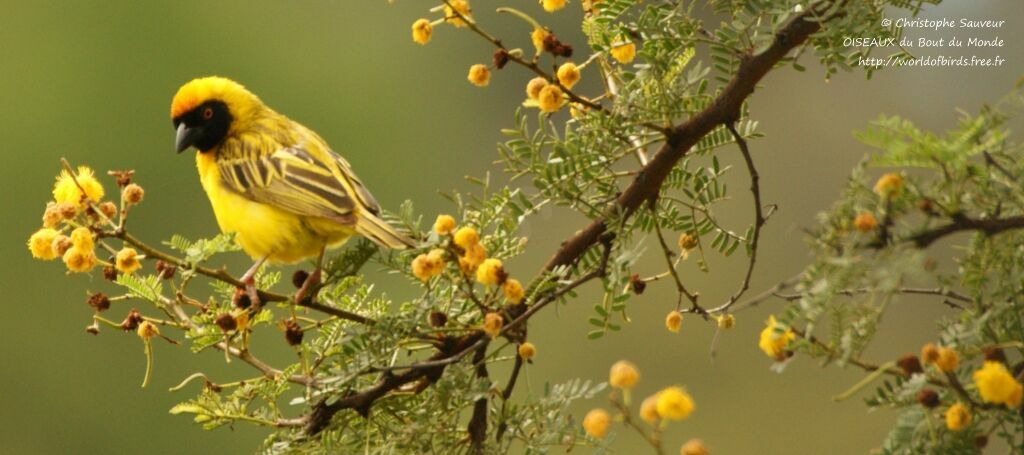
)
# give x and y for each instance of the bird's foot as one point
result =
(310, 283)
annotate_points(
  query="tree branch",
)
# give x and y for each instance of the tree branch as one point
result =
(962, 223)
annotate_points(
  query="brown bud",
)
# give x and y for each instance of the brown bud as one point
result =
(109, 273)
(994, 354)
(636, 284)
(61, 244)
(927, 206)
(166, 270)
(500, 58)
(292, 333)
(910, 364)
(980, 441)
(438, 319)
(99, 302)
(67, 210)
(555, 47)
(226, 322)
(928, 398)
(51, 216)
(133, 193)
(299, 278)
(108, 209)
(131, 320)
(124, 178)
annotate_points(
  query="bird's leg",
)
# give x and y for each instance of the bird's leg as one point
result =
(249, 280)
(313, 279)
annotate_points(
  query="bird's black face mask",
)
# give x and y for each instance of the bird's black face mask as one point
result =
(203, 127)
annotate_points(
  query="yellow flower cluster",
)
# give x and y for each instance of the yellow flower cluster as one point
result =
(694, 447)
(80, 194)
(552, 5)
(527, 350)
(889, 185)
(568, 74)
(422, 29)
(865, 222)
(773, 342)
(624, 51)
(674, 321)
(493, 323)
(623, 375)
(479, 75)
(944, 358)
(726, 321)
(596, 422)
(461, 7)
(996, 385)
(670, 403)
(958, 417)
(127, 261)
(429, 265)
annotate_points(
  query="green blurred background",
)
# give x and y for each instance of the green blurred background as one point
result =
(92, 81)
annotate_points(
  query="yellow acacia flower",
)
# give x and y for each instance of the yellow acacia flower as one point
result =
(929, 353)
(479, 75)
(66, 190)
(865, 222)
(127, 260)
(79, 260)
(147, 330)
(421, 31)
(460, 6)
(624, 52)
(623, 375)
(537, 36)
(550, 98)
(490, 272)
(596, 422)
(428, 265)
(82, 238)
(687, 242)
(649, 409)
(474, 256)
(693, 447)
(948, 359)
(726, 321)
(493, 323)
(61, 244)
(444, 225)
(673, 321)
(40, 244)
(889, 185)
(674, 403)
(513, 290)
(527, 350)
(552, 5)
(133, 194)
(534, 87)
(466, 237)
(773, 343)
(568, 74)
(996, 385)
(958, 417)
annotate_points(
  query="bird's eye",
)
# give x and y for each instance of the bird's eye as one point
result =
(208, 113)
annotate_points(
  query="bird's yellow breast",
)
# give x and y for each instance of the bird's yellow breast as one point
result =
(264, 231)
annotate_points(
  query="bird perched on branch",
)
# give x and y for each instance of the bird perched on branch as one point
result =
(274, 182)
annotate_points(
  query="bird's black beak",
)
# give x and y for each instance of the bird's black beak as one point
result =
(186, 136)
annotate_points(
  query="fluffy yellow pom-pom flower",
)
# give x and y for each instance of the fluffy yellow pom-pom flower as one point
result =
(147, 330)
(958, 417)
(568, 74)
(649, 409)
(534, 87)
(460, 6)
(774, 343)
(82, 238)
(444, 225)
(675, 404)
(929, 353)
(726, 321)
(694, 447)
(490, 272)
(79, 260)
(65, 190)
(513, 290)
(623, 375)
(624, 52)
(552, 5)
(40, 244)
(948, 359)
(596, 422)
(527, 350)
(996, 385)
(421, 31)
(537, 36)
(127, 261)
(889, 185)
(428, 265)
(475, 255)
(673, 321)
(865, 222)
(479, 75)
(493, 323)
(550, 98)
(466, 237)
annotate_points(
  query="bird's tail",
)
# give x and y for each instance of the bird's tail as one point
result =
(380, 232)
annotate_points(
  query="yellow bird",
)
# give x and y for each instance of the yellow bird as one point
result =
(270, 180)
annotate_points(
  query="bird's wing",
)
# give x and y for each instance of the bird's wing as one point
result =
(292, 179)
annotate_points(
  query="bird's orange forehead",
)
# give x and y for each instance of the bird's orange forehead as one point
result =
(201, 90)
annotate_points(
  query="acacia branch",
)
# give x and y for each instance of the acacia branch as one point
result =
(963, 223)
